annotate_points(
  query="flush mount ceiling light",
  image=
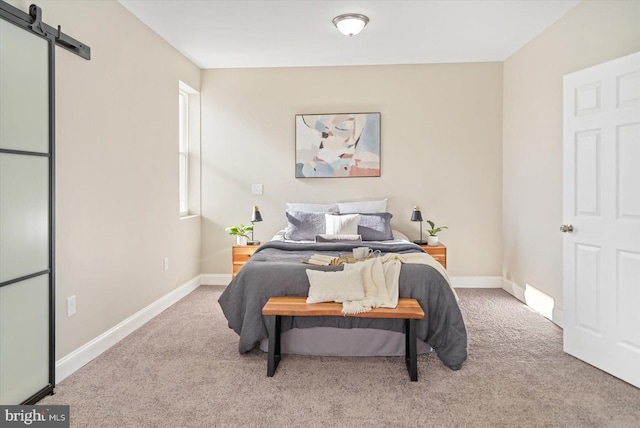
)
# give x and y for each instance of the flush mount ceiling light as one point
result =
(350, 24)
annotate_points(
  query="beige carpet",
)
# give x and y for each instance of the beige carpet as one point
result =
(182, 369)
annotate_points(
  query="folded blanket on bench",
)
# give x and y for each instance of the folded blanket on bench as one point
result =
(380, 278)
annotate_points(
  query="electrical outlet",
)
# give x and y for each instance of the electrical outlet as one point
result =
(71, 306)
(256, 189)
(166, 264)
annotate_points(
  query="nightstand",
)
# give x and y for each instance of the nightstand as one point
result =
(239, 256)
(438, 252)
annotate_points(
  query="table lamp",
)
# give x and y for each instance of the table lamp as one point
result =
(417, 216)
(255, 217)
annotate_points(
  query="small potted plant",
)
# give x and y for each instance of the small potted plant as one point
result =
(432, 239)
(240, 232)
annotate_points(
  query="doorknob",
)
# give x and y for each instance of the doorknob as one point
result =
(566, 228)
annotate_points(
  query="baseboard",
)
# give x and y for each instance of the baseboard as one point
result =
(518, 292)
(558, 317)
(90, 350)
(476, 281)
(514, 289)
(215, 279)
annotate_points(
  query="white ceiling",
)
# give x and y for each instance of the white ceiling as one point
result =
(293, 33)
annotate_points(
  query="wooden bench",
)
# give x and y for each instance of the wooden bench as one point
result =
(276, 307)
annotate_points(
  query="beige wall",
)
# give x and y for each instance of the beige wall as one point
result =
(591, 33)
(441, 149)
(117, 187)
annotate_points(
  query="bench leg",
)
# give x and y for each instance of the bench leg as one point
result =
(273, 329)
(410, 349)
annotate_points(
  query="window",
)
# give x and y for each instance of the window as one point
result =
(183, 153)
(189, 150)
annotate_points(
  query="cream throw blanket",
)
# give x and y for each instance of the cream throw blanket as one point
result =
(380, 277)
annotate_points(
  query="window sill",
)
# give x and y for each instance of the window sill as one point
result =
(188, 216)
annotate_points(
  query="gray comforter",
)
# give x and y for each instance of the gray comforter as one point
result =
(276, 269)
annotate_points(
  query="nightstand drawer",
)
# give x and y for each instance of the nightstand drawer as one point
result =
(442, 259)
(241, 257)
(438, 252)
(236, 269)
(240, 254)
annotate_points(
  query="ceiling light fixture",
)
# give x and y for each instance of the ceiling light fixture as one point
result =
(350, 24)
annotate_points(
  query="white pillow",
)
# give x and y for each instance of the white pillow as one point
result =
(341, 224)
(338, 286)
(312, 208)
(363, 207)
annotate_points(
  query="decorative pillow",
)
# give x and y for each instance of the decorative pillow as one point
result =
(337, 286)
(338, 238)
(303, 226)
(312, 208)
(375, 227)
(341, 224)
(363, 207)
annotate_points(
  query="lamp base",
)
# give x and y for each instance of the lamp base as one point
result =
(253, 242)
(420, 242)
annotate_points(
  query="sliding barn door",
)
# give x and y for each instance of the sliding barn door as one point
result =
(602, 215)
(26, 162)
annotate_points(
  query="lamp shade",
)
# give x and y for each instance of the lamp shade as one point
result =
(350, 24)
(417, 214)
(256, 216)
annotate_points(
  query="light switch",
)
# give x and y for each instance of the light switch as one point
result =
(71, 306)
(256, 189)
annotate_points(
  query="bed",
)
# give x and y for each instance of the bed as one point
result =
(276, 269)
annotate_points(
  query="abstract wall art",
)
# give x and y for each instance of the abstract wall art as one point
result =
(338, 145)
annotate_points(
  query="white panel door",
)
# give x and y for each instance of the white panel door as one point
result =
(601, 245)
